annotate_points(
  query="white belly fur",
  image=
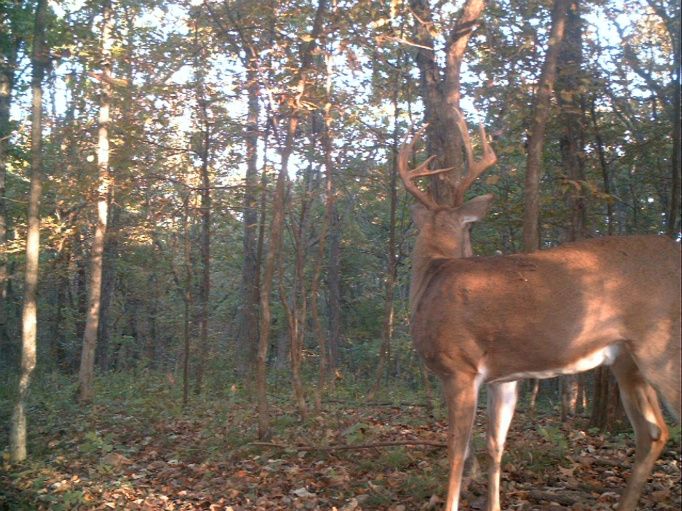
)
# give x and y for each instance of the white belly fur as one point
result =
(604, 356)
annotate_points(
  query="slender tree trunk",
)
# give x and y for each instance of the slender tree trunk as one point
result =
(204, 247)
(87, 367)
(124, 159)
(8, 62)
(328, 208)
(80, 294)
(110, 256)
(276, 226)
(536, 140)
(604, 166)
(295, 308)
(569, 97)
(58, 342)
(334, 286)
(188, 299)
(674, 214)
(40, 56)
(536, 143)
(392, 256)
(247, 321)
(277, 223)
(299, 301)
(569, 73)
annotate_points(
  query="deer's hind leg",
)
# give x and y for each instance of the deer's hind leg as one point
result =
(651, 433)
(501, 404)
(461, 393)
(658, 358)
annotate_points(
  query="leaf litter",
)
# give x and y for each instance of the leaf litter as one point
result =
(210, 459)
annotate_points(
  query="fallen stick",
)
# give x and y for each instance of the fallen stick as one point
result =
(348, 447)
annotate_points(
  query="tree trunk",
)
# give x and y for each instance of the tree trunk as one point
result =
(571, 142)
(40, 60)
(188, 299)
(604, 166)
(320, 334)
(570, 100)
(247, 321)
(87, 367)
(276, 226)
(334, 286)
(295, 303)
(79, 297)
(277, 223)
(204, 243)
(8, 63)
(441, 95)
(110, 256)
(674, 214)
(536, 139)
(61, 269)
(391, 249)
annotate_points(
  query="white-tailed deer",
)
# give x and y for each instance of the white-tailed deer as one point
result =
(495, 320)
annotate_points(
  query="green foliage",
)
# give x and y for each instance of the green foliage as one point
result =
(555, 437)
(94, 444)
(396, 459)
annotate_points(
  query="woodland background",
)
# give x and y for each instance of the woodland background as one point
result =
(224, 172)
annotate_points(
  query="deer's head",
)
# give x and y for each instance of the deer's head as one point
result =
(443, 230)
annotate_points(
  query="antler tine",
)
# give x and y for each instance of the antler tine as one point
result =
(475, 167)
(408, 176)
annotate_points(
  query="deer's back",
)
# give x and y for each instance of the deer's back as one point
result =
(586, 293)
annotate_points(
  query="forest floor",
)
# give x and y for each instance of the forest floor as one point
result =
(136, 449)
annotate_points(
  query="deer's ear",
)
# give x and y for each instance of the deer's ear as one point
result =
(420, 215)
(475, 209)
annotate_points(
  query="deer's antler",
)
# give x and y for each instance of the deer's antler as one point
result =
(408, 176)
(475, 167)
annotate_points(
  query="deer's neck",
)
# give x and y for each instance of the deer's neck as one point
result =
(425, 259)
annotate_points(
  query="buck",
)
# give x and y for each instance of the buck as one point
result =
(495, 320)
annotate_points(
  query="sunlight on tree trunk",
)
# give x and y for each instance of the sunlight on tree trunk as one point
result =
(87, 368)
(17, 436)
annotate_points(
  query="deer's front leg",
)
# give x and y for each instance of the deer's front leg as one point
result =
(501, 405)
(461, 393)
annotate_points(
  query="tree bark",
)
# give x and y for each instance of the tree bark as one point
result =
(247, 321)
(536, 139)
(8, 63)
(110, 256)
(276, 227)
(334, 286)
(441, 94)
(604, 166)
(204, 235)
(188, 299)
(571, 142)
(40, 60)
(673, 227)
(391, 251)
(87, 367)
(277, 223)
(329, 200)
(570, 100)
